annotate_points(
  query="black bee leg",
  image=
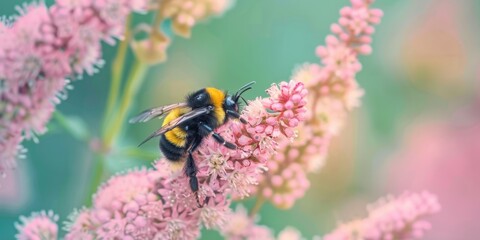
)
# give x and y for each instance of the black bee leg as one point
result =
(191, 170)
(217, 137)
(237, 116)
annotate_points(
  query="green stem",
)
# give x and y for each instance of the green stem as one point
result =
(97, 178)
(117, 73)
(258, 205)
(73, 126)
(134, 82)
(139, 154)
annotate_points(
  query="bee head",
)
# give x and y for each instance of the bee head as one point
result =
(231, 101)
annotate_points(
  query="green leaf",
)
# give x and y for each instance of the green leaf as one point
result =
(74, 125)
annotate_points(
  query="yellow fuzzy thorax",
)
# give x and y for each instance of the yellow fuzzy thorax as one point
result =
(176, 136)
(217, 97)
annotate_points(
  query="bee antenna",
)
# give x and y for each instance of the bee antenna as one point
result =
(243, 89)
(245, 101)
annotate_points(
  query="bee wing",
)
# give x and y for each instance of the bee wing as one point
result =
(177, 121)
(151, 113)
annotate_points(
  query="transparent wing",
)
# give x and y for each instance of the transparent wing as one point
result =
(177, 121)
(151, 113)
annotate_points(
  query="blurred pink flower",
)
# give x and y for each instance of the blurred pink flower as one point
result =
(39, 226)
(241, 226)
(442, 156)
(289, 233)
(391, 218)
(333, 92)
(39, 50)
(185, 14)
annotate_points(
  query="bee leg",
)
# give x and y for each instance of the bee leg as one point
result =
(237, 116)
(217, 136)
(191, 170)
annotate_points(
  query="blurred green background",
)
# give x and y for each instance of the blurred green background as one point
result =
(424, 62)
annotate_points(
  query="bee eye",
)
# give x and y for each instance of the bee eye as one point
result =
(230, 102)
(200, 97)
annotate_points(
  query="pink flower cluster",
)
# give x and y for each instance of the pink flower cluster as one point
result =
(38, 226)
(333, 92)
(128, 207)
(44, 46)
(39, 50)
(159, 204)
(392, 218)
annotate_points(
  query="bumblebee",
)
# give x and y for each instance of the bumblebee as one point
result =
(186, 124)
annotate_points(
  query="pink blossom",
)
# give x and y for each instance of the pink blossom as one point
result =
(80, 225)
(289, 233)
(40, 225)
(392, 218)
(241, 226)
(124, 207)
(44, 46)
(185, 14)
(41, 48)
(332, 92)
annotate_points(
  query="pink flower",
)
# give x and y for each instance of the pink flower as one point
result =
(185, 14)
(392, 218)
(442, 155)
(124, 207)
(40, 49)
(241, 226)
(40, 225)
(289, 233)
(332, 93)
(80, 225)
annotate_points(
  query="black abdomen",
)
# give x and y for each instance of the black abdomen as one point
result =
(170, 151)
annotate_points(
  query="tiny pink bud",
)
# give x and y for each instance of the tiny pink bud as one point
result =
(259, 128)
(277, 181)
(269, 130)
(357, 3)
(366, 39)
(343, 21)
(293, 122)
(278, 107)
(287, 173)
(376, 12)
(365, 49)
(271, 121)
(244, 140)
(289, 132)
(296, 98)
(331, 40)
(288, 114)
(335, 28)
(131, 207)
(289, 105)
(369, 30)
(267, 192)
(345, 11)
(140, 221)
(321, 51)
